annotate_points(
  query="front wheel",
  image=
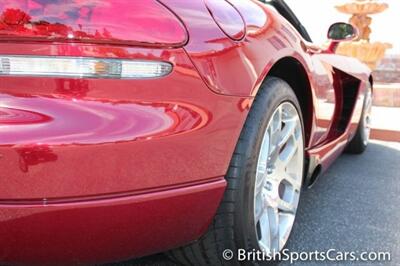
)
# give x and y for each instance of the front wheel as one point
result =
(360, 140)
(264, 182)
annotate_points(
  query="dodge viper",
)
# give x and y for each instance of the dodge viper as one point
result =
(129, 128)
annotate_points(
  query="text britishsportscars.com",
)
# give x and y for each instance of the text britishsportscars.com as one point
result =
(332, 255)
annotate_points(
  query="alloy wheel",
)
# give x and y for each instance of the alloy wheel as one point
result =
(367, 116)
(279, 178)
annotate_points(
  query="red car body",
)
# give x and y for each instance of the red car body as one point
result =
(100, 170)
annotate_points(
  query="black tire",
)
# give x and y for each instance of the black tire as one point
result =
(232, 227)
(360, 140)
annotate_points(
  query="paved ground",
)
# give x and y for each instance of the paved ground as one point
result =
(353, 207)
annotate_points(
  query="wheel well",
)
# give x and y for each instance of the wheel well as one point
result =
(292, 71)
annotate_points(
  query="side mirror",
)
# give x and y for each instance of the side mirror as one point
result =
(341, 31)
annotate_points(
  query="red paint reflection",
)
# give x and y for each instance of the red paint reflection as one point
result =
(34, 155)
(75, 88)
(60, 121)
(15, 20)
(12, 116)
(94, 21)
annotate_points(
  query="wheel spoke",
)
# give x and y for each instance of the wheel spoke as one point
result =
(273, 155)
(273, 218)
(289, 151)
(260, 178)
(277, 120)
(286, 206)
(262, 163)
(288, 131)
(265, 243)
(287, 220)
(265, 239)
(296, 184)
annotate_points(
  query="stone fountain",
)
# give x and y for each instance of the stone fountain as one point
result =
(362, 48)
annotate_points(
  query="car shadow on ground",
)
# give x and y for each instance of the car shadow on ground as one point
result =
(354, 206)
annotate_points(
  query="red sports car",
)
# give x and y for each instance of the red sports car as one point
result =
(134, 127)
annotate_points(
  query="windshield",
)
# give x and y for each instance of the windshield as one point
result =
(286, 12)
